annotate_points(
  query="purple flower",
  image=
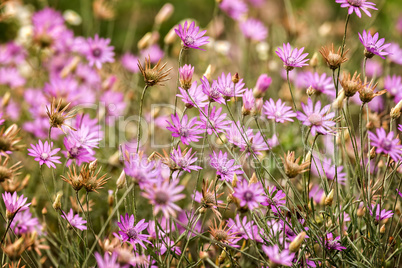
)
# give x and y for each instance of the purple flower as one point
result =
(393, 85)
(1, 119)
(229, 89)
(184, 162)
(263, 83)
(248, 102)
(216, 120)
(195, 92)
(275, 199)
(163, 196)
(114, 104)
(278, 111)
(14, 203)
(356, 5)
(320, 83)
(75, 152)
(62, 88)
(386, 144)
(373, 68)
(74, 220)
(11, 77)
(255, 143)
(333, 244)
(400, 194)
(250, 195)
(279, 258)
(234, 8)
(225, 168)
(187, 130)
(319, 120)
(236, 137)
(24, 223)
(130, 62)
(373, 46)
(154, 52)
(395, 53)
(212, 91)
(142, 171)
(254, 29)
(186, 73)
(43, 153)
(131, 232)
(108, 261)
(244, 229)
(326, 168)
(292, 58)
(191, 36)
(98, 51)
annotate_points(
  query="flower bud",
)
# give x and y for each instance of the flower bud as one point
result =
(121, 181)
(69, 68)
(170, 37)
(263, 83)
(110, 198)
(372, 153)
(296, 243)
(235, 180)
(34, 202)
(6, 99)
(144, 41)
(310, 91)
(382, 229)
(314, 60)
(329, 198)
(186, 76)
(72, 17)
(93, 165)
(235, 78)
(253, 179)
(361, 212)
(337, 104)
(203, 255)
(44, 211)
(222, 257)
(256, 111)
(208, 72)
(57, 201)
(164, 13)
(396, 111)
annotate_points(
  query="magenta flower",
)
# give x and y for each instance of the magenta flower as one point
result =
(325, 168)
(142, 171)
(292, 58)
(373, 68)
(225, 168)
(235, 9)
(184, 162)
(14, 203)
(228, 89)
(319, 120)
(24, 223)
(186, 73)
(1, 119)
(11, 77)
(236, 137)
(191, 36)
(263, 83)
(76, 152)
(278, 111)
(250, 195)
(195, 92)
(395, 53)
(108, 261)
(187, 130)
(74, 220)
(255, 143)
(386, 144)
(356, 5)
(317, 194)
(279, 258)
(380, 214)
(154, 52)
(393, 85)
(130, 62)
(98, 51)
(248, 102)
(114, 104)
(44, 154)
(254, 29)
(275, 199)
(245, 229)
(333, 244)
(321, 83)
(373, 46)
(212, 91)
(217, 120)
(131, 233)
(62, 88)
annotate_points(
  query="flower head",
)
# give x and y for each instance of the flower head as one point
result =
(380, 214)
(9, 139)
(58, 115)
(386, 144)
(108, 261)
(209, 197)
(393, 85)
(129, 231)
(254, 29)
(373, 46)
(195, 93)
(74, 220)
(8, 173)
(212, 91)
(191, 36)
(229, 89)
(292, 57)
(333, 59)
(184, 160)
(236, 9)
(245, 229)
(14, 203)
(223, 233)
(292, 166)
(356, 5)
(278, 258)
(333, 244)
(262, 85)
(320, 83)
(319, 120)
(24, 223)
(187, 130)
(129, 62)
(250, 195)
(215, 122)
(186, 75)
(44, 153)
(142, 171)
(98, 51)
(351, 85)
(225, 168)
(156, 75)
(275, 199)
(278, 111)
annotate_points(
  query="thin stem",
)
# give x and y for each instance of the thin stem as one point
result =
(290, 89)
(343, 46)
(364, 68)
(140, 118)
(178, 78)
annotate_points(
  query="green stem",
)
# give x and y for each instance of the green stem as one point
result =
(140, 118)
(290, 89)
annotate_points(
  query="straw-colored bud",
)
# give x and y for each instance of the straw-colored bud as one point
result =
(235, 78)
(25, 181)
(44, 211)
(297, 242)
(382, 229)
(110, 198)
(208, 72)
(72, 17)
(121, 181)
(310, 91)
(57, 201)
(203, 255)
(222, 257)
(69, 68)
(360, 212)
(314, 60)
(170, 37)
(308, 157)
(93, 165)
(164, 13)
(34, 202)
(114, 159)
(396, 111)
(337, 104)
(372, 153)
(144, 41)
(235, 180)
(253, 179)
(6, 99)
(329, 198)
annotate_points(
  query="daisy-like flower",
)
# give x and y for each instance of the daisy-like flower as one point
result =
(44, 154)
(292, 57)
(278, 111)
(163, 195)
(319, 120)
(184, 160)
(275, 199)
(356, 5)
(278, 258)
(24, 223)
(333, 59)
(225, 168)
(14, 203)
(1, 119)
(212, 91)
(223, 233)
(129, 62)
(98, 51)
(328, 169)
(108, 261)
(156, 75)
(191, 36)
(245, 229)
(320, 83)
(395, 53)
(373, 46)
(187, 130)
(254, 29)
(393, 84)
(229, 89)
(74, 220)
(263, 83)
(235, 9)
(248, 102)
(195, 93)
(129, 231)
(216, 120)
(317, 194)
(386, 144)
(11, 77)
(333, 244)
(140, 169)
(250, 195)
(208, 197)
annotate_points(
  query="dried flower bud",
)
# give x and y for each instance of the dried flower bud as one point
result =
(338, 102)
(203, 255)
(156, 75)
(208, 72)
(310, 91)
(6, 99)
(333, 59)
(145, 41)
(44, 211)
(329, 198)
(372, 153)
(292, 166)
(314, 60)
(396, 111)
(93, 165)
(72, 17)
(382, 229)
(110, 198)
(263, 83)
(69, 68)
(360, 212)
(34, 202)
(366, 93)
(351, 85)
(121, 181)
(164, 13)
(235, 78)
(57, 201)
(253, 179)
(222, 257)
(114, 159)
(170, 37)
(296, 243)
(235, 180)
(257, 109)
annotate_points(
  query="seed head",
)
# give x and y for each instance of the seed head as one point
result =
(292, 166)
(333, 59)
(156, 75)
(57, 115)
(351, 85)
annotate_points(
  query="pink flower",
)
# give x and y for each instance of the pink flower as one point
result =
(44, 153)
(292, 57)
(191, 36)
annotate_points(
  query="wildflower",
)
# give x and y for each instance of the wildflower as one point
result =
(9, 139)
(333, 244)
(57, 115)
(209, 197)
(319, 120)
(213, 120)
(263, 83)
(8, 173)
(129, 62)
(222, 233)
(333, 59)
(292, 58)
(320, 83)
(356, 5)
(236, 136)
(254, 29)
(11, 77)
(386, 144)
(129, 231)
(187, 130)
(327, 169)
(154, 52)
(186, 75)
(278, 111)
(142, 171)
(164, 13)
(74, 179)
(44, 153)
(229, 89)
(235, 9)
(248, 102)
(184, 162)
(194, 93)
(74, 220)
(277, 258)
(90, 179)
(255, 143)
(14, 203)
(351, 85)
(373, 46)
(108, 261)
(292, 166)
(114, 103)
(75, 152)
(393, 85)
(163, 195)
(98, 51)
(156, 75)
(211, 91)
(24, 223)
(225, 168)
(395, 53)
(244, 229)
(275, 199)
(191, 36)
(250, 195)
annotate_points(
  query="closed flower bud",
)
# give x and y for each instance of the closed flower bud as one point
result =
(110, 198)
(253, 179)
(164, 13)
(256, 111)
(396, 111)
(203, 255)
(235, 78)
(6, 99)
(372, 153)
(263, 83)
(235, 180)
(314, 60)
(329, 198)
(72, 17)
(121, 181)
(44, 211)
(93, 165)
(361, 212)
(382, 229)
(145, 41)
(310, 91)
(296, 243)
(34, 202)
(222, 257)
(208, 72)
(170, 37)
(337, 104)
(69, 68)
(57, 201)
(186, 76)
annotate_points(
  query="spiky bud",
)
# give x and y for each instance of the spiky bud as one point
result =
(121, 181)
